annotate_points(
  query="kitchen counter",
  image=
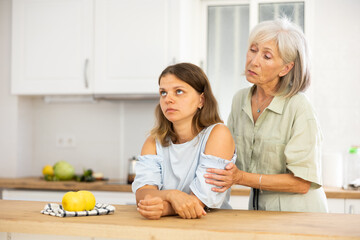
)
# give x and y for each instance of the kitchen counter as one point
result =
(114, 185)
(126, 222)
(38, 183)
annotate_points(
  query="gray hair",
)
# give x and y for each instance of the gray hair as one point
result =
(292, 46)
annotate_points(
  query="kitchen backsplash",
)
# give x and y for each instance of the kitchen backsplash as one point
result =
(103, 135)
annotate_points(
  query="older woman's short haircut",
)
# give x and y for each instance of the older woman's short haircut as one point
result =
(292, 46)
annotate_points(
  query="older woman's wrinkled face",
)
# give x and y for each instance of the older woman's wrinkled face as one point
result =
(264, 65)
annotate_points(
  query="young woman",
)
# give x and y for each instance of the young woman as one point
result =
(188, 138)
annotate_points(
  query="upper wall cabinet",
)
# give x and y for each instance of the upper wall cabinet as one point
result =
(51, 46)
(131, 45)
(90, 46)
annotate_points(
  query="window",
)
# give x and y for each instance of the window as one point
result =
(294, 11)
(228, 30)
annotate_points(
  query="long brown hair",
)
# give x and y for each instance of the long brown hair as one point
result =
(204, 117)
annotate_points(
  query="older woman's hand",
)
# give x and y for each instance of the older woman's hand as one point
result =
(223, 178)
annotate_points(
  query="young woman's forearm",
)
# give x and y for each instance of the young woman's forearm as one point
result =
(142, 192)
(174, 201)
(168, 209)
(165, 195)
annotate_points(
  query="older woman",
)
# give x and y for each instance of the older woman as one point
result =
(276, 132)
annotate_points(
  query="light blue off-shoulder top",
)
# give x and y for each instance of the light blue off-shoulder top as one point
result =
(182, 167)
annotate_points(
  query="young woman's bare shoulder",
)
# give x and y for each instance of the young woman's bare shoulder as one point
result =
(220, 143)
(149, 147)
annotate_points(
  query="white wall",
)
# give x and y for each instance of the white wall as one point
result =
(107, 133)
(336, 68)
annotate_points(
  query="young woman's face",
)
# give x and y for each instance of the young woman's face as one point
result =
(264, 65)
(178, 100)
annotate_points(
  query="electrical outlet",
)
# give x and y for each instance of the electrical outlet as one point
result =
(65, 141)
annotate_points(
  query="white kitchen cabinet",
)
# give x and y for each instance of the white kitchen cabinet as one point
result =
(26, 236)
(352, 206)
(121, 198)
(336, 205)
(51, 46)
(3, 235)
(339, 205)
(92, 46)
(131, 44)
(239, 202)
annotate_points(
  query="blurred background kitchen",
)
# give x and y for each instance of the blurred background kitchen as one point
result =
(78, 78)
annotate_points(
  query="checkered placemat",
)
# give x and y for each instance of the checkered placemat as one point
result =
(54, 209)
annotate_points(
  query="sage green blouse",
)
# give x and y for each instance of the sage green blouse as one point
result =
(285, 138)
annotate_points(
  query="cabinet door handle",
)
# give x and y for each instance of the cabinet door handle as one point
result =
(86, 73)
(351, 209)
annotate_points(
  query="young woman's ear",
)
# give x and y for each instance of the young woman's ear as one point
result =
(286, 69)
(202, 101)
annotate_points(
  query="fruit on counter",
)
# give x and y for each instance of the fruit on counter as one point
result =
(64, 170)
(87, 176)
(78, 201)
(90, 200)
(48, 173)
(73, 201)
(48, 170)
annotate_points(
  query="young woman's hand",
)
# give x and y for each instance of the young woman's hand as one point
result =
(151, 207)
(223, 178)
(187, 206)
